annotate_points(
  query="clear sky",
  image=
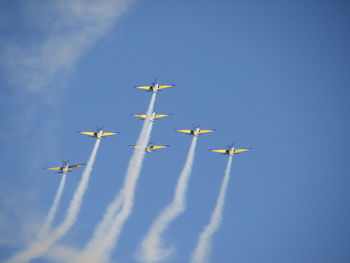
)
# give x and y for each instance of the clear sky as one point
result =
(271, 75)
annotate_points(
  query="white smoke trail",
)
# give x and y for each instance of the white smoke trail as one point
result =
(106, 236)
(39, 247)
(106, 221)
(68, 29)
(113, 208)
(202, 251)
(152, 247)
(48, 221)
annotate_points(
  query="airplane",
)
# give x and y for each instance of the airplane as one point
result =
(195, 131)
(154, 87)
(231, 150)
(99, 133)
(150, 147)
(154, 116)
(65, 168)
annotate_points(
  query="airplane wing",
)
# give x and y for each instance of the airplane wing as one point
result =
(75, 166)
(88, 133)
(185, 131)
(54, 168)
(161, 116)
(219, 151)
(109, 133)
(165, 86)
(140, 116)
(205, 131)
(241, 150)
(134, 146)
(144, 87)
(155, 147)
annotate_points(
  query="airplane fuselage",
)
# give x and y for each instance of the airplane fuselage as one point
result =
(230, 151)
(195, 131)
(65, 168)
(155, 87)
(99, 134)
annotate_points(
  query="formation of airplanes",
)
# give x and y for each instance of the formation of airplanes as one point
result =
(154, 87)
(65, 168)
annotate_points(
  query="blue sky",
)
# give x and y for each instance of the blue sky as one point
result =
(272, 76)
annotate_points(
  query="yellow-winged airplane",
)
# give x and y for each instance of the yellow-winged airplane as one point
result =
(154, 116)
(154, 87)
(98, 134)
(65, 168)
(150, 147)
(195, 131)
(231, 150)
